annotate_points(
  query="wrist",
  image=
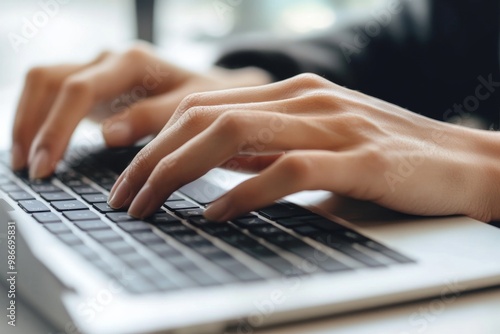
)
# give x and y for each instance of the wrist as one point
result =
(485, 174)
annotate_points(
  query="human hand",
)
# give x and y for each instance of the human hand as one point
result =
(307, 133)
(141, 89)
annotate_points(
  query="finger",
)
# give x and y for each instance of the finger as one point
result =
(250, 164)
(293, 172)
(231, 134)
(39, 93)
(143, 118)
(78, 94)
(275, 92)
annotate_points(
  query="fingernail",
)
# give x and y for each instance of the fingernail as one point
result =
(40, 165)
(119, 196)
(140, 205)
(116, 131)
(17, 158)
(218, 210)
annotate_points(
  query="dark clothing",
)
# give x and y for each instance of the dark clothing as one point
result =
(428, 58)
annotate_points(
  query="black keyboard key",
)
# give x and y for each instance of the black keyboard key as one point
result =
(280, 210)
(137, 284)
(178, 205)
(134, 259)
(281, 265)
(218, 229)
(211, 252)
(57, 228)
(330, 265)
(106, 185)
(400, 258)
(250, 222)
(174, 197)
(45, 188)
(56, 196)
(192, 239)
(307, 230)
(159, 280)
(95, 198)
(134, 226)
(201, 277)
(90, 225)
(86, 252)
(105, 208)
(32, 206)
(282, 239)
(105, 235)
(238, 239)
(244, 274)
(164, 249)
(120, 217)
(181, 262)
(202, 191)
(162, 218)
(10, 187)
(259, 251)
(119, 247)
(20, 195)
(291, 222)
(68, 205)
(85, 189)
(69, 238)
(175, 228)
(46, 217)
(266, 231)
(80, 215)
(324, 224)
(349, 250)
(148, 237)
(202, 222)
(188, 213)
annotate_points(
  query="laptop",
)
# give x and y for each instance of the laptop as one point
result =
(91, 269)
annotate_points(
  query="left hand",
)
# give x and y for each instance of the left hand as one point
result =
(306, 133)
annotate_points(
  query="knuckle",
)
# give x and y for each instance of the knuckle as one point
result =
(319, 99)
(37, 74)
(310, 80)
(76, 86)
(232, 124)
(104, 54)
(298, 168)
(190, 101)
(136, 54)
(194, 117)
(373, 157)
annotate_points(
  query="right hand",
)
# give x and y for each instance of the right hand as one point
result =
(56, 98)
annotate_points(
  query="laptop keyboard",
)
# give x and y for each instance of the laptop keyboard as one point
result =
(177, 248)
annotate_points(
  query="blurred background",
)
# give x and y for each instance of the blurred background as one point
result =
(35, 32)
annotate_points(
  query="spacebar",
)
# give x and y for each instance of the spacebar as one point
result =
(202, 191)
